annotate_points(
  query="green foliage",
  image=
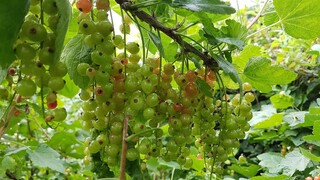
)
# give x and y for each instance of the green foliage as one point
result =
(12, 14)
(300, 18)
(74, 53)
(281, 101)
(212, 6)
(64, 13)
(262, 75)
(282, 141)
(44, 156)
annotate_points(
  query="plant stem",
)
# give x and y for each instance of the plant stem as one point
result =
(10, 112)
(258, 15)
(124, 149)
(172, 33)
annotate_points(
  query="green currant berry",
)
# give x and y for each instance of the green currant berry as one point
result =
(50, 7)
(58, 70)
(132, 154)
(26, 88)
(87, 26)
(133, 47)
(25, 52)
(56, 83)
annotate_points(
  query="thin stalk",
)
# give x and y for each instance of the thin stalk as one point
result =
(258, 15)
(124, 35)
(263, 29)
(124, 149)
(142, 40)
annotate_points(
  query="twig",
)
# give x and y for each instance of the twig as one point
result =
(172, 33)
(124, 149)
(11, 110)
(258, 15)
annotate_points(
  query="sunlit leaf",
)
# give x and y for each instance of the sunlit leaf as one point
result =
(70, 89)
(300, 18)
(282, 101)
(309, 155)
(247, 171)
(242, 59)
(280, 177)
(262, 75)
(212, 6)
(274, 120)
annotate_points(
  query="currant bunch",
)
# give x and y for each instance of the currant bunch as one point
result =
(37, 70)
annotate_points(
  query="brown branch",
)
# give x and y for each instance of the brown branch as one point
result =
(145, 17)
(11, 111)
(124, 149)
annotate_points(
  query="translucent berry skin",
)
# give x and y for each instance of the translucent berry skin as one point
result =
(84, 6)
(26, 88)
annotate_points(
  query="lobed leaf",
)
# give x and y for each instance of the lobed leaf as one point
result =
(299, 18)
(44, 156)
(262, 75)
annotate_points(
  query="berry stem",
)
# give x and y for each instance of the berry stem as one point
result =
(142, 40)
(8, 113)
(124, 149)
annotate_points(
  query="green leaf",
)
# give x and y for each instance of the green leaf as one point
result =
(195, 62)
(70, 89)
(248, 52)
(247, 171)
(271, 161)
(299, 18)
(170, 50)
(12, 15)
(316, 128)
(309, 120)
(294, 161)
(232, 41)
(262, 75)
(267, 135)
(64, 12)
(314, 110)
(228, 82)
(157, 42)
(74, 53)
(212, 6)
(270, 18)
(280, 177)
(3, 74)
(44, 156)
(282, 101)
(204, 87)
(17, 150)
(229, 69)
(274, 120)
(63, 141)
(312, 139)
(309, 155)
(9, 163)
(235, 30)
